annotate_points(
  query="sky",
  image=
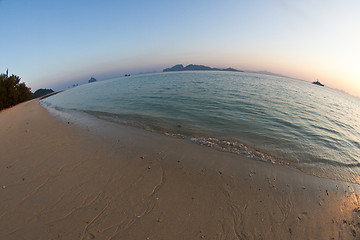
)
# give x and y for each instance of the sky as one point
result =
(54, 44)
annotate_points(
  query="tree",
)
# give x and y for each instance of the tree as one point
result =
(12, 91)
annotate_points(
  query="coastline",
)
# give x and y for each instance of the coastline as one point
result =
(61, 179)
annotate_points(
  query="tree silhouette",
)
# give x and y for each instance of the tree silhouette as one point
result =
(12, 91)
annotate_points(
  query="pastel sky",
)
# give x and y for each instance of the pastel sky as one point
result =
(53, 44)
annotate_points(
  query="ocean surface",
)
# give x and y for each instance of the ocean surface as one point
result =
(266, 118)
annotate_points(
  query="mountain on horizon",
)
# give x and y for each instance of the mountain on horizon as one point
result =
(193, 67)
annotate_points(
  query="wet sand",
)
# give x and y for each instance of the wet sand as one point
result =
(66, 179)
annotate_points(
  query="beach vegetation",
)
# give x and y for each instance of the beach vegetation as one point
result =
(12, 91)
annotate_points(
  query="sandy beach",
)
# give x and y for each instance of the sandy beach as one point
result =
(62, 179)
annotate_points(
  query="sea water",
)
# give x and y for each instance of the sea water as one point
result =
(275, 119)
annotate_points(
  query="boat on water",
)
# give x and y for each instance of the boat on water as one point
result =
(318, 83)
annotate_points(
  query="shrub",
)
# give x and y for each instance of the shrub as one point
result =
(12, 91)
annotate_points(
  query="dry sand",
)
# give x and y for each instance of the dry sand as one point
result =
(60, 180)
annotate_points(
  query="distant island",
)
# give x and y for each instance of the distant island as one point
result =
(193, 67)
(92, 80)
(42, 92)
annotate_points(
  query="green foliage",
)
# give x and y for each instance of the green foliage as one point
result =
(12, 91)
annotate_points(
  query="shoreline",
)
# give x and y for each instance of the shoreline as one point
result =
(228, 145)
(106, 181)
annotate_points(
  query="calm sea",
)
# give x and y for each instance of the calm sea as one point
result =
(275, 119)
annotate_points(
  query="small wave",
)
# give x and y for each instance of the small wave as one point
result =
(214, 143)
(233, 147)
(355, 143)
(336, 163)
